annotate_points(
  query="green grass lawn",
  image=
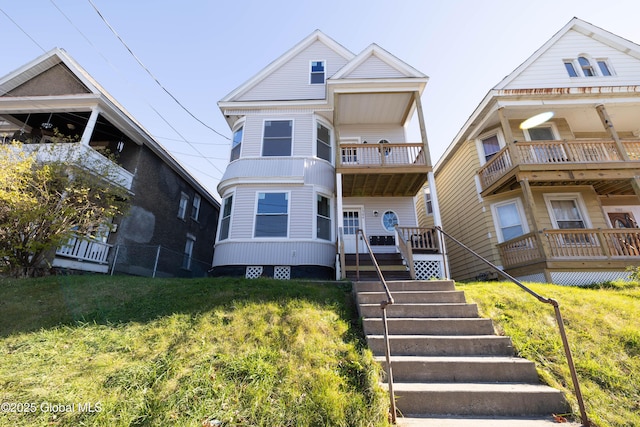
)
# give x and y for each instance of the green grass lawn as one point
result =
(603, 326)
(124, 351)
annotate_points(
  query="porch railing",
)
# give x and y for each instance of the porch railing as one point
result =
(383, 307)
(559, 322)
(595, 243)
(556, 152)
(375, 154)
(85, 250)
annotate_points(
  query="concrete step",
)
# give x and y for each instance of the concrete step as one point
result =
(421, 326)
(406, 285)
(479, 399)
(457, 421)
(412, 297)
(463, 369)
(433, 345)
(424, 310)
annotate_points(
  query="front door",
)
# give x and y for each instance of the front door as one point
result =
(622, 220)
(352, 220)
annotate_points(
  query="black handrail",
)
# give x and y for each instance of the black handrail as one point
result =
(383, 306)
(559, 321)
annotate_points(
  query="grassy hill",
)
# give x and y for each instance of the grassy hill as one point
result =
(126, 351)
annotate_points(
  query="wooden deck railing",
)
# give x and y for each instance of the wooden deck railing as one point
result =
(572, 244)
(392, 154)
(556, 152)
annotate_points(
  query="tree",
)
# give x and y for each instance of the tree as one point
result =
(50, 193)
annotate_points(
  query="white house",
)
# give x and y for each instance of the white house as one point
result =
(319, 151)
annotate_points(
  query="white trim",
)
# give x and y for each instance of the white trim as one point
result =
(315, 216)
(496, 216)
(324, 66)
(241, 123)
(384, 227)
(552, 125)
(255, 214)
(221, 215)
(577, 197)
(279, 119)
(319, 120)
(480, 147)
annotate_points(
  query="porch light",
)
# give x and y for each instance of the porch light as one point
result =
(47, 124)
(536, 120)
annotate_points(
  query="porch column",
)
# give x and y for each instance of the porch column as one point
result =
(91, 124)
(530, 208)
(508, 136)
(423, 127)
(437, 219)
(608, 125)
(339, 222)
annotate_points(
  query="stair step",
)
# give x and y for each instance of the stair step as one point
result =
(406, 285)
(423, 310)
(461, 369)
(408, 297)
(434, 345)
(510, 399)
(458, 421)
(421, 326)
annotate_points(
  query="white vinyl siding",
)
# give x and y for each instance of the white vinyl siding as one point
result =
(372, 68)
(303, 131)
(548, 71)
(291, 81)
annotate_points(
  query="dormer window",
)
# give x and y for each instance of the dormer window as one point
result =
(317, 73)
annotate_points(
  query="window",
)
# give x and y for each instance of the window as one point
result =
(604, 68)
(570, 69)
(236, 143)
(188, 252)
(317, 72)
(389, 220)
(586, 67)
(508, 219)
(566, 214)
(490, 146)
(323, 142)
(182, 208)
(272, 215)
(195, 207)
(277, 138)
(542, 133)
(427, 201)
(225, 224)
(323, 218)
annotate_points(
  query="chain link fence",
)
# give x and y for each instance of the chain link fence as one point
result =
(155, 261)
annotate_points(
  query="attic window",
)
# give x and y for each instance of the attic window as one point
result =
(584, 66)
(317, 73)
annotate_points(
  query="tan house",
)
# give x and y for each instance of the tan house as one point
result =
(557, 201)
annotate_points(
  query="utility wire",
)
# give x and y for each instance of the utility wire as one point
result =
(151, 74)
(25, 33)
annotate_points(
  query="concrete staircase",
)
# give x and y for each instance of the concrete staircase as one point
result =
(449, 366)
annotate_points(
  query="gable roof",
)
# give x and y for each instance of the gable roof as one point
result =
(316, 36)
(612, 40)
(109, 107)
(503, 87)
(392, 65)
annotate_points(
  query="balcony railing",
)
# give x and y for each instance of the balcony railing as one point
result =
(85, 250)
(382, 155)
(84, 156)
(555, 152)
(610, 244)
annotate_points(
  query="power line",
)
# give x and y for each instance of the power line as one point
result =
(151, 74)
(21, 29)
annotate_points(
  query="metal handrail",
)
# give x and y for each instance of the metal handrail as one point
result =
(559, 321)
(383, 306)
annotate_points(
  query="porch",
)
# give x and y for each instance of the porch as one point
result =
(83, 254)
(573, 248)
(600, 163)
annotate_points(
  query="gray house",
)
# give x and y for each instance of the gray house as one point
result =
(171, 226)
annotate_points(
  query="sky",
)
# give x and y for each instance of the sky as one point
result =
(197, 51)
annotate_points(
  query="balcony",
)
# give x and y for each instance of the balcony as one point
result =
(593, 162)
(598, 247)
(85, 157)
(393, 169)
